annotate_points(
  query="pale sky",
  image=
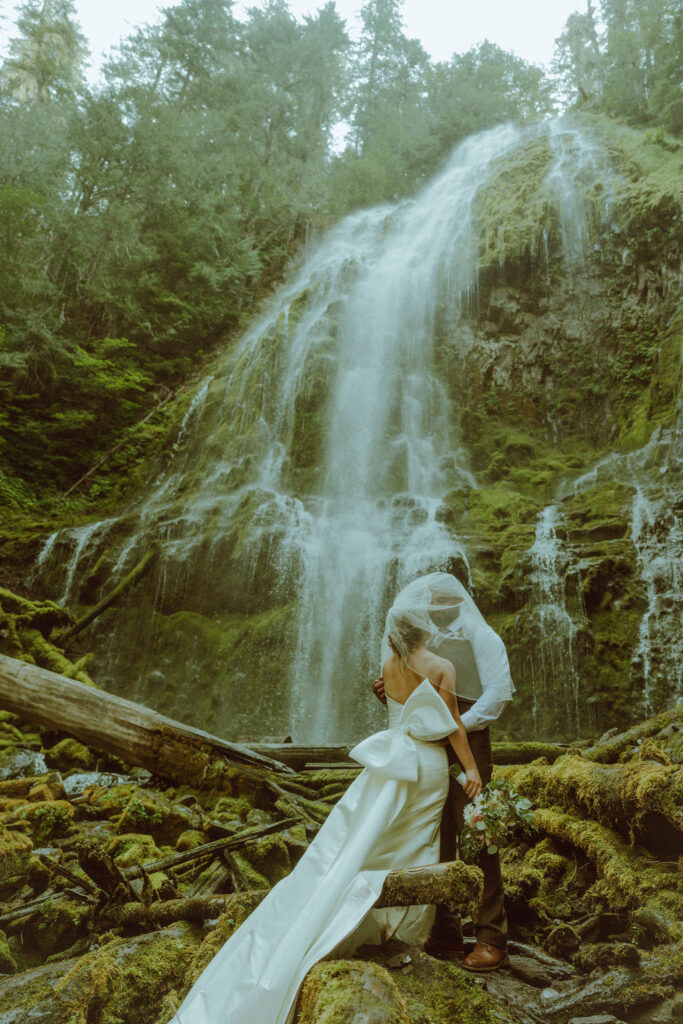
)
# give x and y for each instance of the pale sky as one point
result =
(526, 27)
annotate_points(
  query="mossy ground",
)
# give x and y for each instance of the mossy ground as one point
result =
(572, 868)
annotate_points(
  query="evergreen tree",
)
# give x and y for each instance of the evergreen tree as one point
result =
(46, 60)
(387, 72)
(578, 62)
(632, 68)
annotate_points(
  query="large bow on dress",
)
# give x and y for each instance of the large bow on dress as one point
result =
(392, 753)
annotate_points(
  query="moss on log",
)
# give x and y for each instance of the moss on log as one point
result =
(610, 751)
(128, 730)
(631, 881)
(453, 883)
(642, 799)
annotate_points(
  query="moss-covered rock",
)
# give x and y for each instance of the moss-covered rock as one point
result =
(133, 848)
(438, 992)
(270, 857)
(46, 819)
(55, 926)
(125, 981)
(15, 853)
(343, 991)
(190, 840)
(8, 964)
(69, 753)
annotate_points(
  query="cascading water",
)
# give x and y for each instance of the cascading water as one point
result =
(552, 660)
(655, 474)
(577, 169)
(304, 485)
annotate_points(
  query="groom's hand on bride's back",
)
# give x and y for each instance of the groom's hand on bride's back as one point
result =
(378, 690)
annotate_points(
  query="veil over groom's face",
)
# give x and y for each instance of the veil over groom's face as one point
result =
(443, 616)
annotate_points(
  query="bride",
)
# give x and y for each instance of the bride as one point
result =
(388, 818)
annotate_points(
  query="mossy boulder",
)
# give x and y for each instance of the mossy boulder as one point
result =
(15, 853)
(190, 840)
(270, 857)
(133, 848)
(344, 991)
(126, 980)
(55, 926)
(46, 819)
(69, 753)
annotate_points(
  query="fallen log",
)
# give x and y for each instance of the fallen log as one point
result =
(631, 882)
(641, 799)
(609, 751)
(299, 757)
(132, 731)
(454, 883)
(232, 842)
(296, 756)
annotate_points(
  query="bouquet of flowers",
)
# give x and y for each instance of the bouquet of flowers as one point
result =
(492, 818)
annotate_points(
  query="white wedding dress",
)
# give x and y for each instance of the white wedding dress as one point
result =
(388, 818)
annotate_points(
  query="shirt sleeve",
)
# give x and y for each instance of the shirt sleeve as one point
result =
(497, 685)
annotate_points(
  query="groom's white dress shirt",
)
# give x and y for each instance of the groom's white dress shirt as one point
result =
(494, 672)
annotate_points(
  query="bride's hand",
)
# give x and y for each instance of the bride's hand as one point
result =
(378, 690)
(473, 785)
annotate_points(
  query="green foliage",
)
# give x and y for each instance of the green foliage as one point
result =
(493, 819)
(407, 114)
(143, 220)
(632, 68)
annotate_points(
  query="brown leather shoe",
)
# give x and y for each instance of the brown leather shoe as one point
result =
(443, 949)
(485, 957)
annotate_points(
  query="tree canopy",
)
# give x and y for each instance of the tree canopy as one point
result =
(144, 218)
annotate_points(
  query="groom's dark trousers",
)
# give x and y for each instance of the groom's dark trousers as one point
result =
(491, 923)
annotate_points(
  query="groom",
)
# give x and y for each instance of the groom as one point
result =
(478, 704)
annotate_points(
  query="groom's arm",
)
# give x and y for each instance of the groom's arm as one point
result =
(494, 672)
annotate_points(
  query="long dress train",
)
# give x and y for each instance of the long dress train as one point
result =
(388, 818)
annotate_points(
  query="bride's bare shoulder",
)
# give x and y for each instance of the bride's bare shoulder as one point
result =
(442, 672)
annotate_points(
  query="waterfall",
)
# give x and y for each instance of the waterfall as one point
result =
(579, 171)
(305, 482)
(555, 679)
(654, 473)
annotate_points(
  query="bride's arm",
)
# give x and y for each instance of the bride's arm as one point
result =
(445, 685)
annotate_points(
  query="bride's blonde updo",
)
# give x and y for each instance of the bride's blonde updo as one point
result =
(405, 637)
